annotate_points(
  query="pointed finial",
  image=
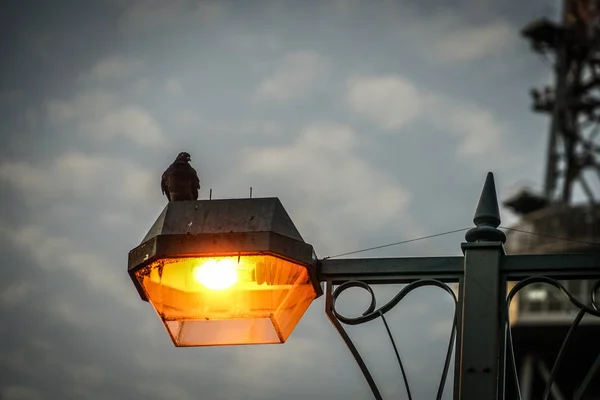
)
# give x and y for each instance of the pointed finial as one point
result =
(487, 216)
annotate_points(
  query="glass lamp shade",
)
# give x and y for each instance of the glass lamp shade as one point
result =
(215, 301)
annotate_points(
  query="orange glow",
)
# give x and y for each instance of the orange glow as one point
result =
(216, 275)
(209, 301)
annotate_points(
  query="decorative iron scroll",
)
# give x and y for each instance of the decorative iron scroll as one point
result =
(583, 310)
(373, 313)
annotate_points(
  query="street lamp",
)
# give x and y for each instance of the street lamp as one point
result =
(226, 272)
(236, 271)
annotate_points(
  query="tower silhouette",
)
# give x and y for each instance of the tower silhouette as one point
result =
(568, 207)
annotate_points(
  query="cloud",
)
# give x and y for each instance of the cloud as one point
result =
(16, 292)
(294, 76)
(115, 67)
(102, 116)
(163, 388)
(390, 100)
(173, 86)
(342, 8)
(148, 15)
(188, 119)
(133, 122)
(328, 182)
(192, 120)
(11, 97)
(454, 40)
(116, 219)
(393, 103)
(89, 104)
(79, 175)
(448, 36)
(141, 87)
(15, 392)
(82, 209)
(54, 253)
(479, 131)
(250, 41)
(86, 379)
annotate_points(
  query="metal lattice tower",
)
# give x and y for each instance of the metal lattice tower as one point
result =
(574, 100)
(573, 152)
(572, 160)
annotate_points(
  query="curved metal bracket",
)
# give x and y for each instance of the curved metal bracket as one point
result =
(373, 313)
(583, 310)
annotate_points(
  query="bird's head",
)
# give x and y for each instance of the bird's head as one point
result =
(183, 156)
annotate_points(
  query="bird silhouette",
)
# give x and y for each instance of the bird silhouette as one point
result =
(180, 181)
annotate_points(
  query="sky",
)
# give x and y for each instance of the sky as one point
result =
(373, 122)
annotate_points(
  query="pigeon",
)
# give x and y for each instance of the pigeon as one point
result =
(180, 181)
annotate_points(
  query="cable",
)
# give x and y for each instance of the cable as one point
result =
(455, 231)
(396, 243)
(551, 237)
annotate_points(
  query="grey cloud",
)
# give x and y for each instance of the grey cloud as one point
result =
(173, 86)
(21, 393)
(87, 187)
(117, 66)
(393, 102)
(389, 100)
(147, 15)
(102, 116)
(325, 162)
(444, 36)
(294, 76)
(64, 358)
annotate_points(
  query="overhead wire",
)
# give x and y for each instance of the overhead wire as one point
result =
(396, 243)
(551, 236)
(456, 231)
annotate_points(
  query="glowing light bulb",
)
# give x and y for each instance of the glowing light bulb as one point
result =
(216, 275)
